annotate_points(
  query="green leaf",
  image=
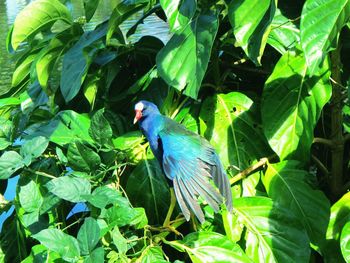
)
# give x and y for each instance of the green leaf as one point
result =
(284, 34)
(119, 15)
(340, 215)
(179, 13)
(88, 236)
(50, 55)
(152, 254)
(273, 234)
(30, 197)
(320, 26)
(65, 245)
(182, 63)
(10, 162)
(40, 254)
(210, 247)
(292, 104)
(286, 184)
(97, 255)
(251, 22)
(65, 127)
(230, 121)
(33, 148)
(119, 241)
(100, 129)
(120, 214)
(103, 196)
(82, 158)
(77, 60)
(90, 7)
(70, 188)
(36, 16)
(140, 219)
(147, 187)
(345, 242)
(23, 69)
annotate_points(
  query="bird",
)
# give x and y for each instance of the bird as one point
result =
(188, 161)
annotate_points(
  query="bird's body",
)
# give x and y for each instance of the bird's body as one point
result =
(187, 159)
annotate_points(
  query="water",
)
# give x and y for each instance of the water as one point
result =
(10, 8)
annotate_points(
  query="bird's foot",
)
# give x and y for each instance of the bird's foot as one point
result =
(170, 228)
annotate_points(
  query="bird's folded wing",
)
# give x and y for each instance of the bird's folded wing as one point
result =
(190, 162)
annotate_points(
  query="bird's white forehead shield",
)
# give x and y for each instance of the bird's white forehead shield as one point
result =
(139, 106)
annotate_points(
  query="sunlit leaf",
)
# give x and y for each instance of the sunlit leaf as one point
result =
(210, 247)
(65, 127)
(251, 22)
(100, 129)
(284, 34)
(33, 148)
(82, 158)
(292, 104)
(183, 61)
(103, 196)
(345, 242)
(10, 162)
(286, 184)
(70, 188)
(320, 26)
(36, 16)
(88, 236)
(179, 13)
(77, 60)
(90, 7)
(65, 245)
(30, 197)
(229, 121)
(273, 233)
(152, 254)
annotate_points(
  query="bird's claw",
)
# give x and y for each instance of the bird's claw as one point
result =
(172, 229)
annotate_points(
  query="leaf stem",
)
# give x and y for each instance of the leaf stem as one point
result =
(250, 169)
(323, 141)
(40, 173)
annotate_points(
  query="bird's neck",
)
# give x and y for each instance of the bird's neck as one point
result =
(151, 125)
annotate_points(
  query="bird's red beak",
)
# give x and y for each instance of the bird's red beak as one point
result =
(138, 115)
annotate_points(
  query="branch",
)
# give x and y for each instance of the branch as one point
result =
(320, 165)
(323, 141)
(249, 170)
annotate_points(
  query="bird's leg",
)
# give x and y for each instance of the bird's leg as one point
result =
(166, 223)
(171, 208)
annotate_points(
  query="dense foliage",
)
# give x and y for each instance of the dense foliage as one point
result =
(264, 82)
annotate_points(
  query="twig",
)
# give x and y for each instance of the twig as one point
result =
(323, 141)
(40, 173)
(250, 169)
(320, 165)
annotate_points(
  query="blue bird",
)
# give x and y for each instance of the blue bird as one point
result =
(188, 161)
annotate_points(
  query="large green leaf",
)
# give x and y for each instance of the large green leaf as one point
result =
(77, 60)
(90, 7)
(97, 255)
(179, 13)
(320, 26)
(30, 197)
(147, 187)
(182, 63)
(273, 234)
(10, 162)
(210, 247)
(286, 184)
(70, 188)
(284, 34)
(82, 158)
(55, 240)
(230, 121)
(36, 16)
(251, 22)
(88, 236)
(64, 128)
(23, 68)
(345, 242)
(292, 103)
(51, 54)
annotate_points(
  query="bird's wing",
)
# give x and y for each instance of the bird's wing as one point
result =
(191, 162)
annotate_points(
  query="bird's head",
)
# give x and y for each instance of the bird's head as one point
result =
(143, 109)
